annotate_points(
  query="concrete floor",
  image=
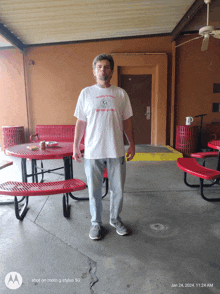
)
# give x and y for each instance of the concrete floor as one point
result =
(173, 245)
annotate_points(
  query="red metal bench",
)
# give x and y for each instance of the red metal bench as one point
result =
(190, 165)
(204, 155)
(36, 189)
(58, 133)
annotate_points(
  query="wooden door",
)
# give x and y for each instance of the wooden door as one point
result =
(138, 88)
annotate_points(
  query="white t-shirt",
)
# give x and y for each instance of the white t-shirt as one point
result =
(104, 110)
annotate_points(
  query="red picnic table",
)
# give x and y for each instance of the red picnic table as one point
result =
(215, 144)
(63, 150)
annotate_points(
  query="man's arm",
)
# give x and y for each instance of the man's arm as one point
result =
(130, 137)
(79, 132)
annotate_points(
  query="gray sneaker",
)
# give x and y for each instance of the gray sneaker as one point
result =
(95, 232)
(120, 228)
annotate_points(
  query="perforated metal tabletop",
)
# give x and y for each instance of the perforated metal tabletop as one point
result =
(63, 149)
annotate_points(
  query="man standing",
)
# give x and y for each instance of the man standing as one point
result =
(103, 112)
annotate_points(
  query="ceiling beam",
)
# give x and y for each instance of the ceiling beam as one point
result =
(11, 38)
(195, 7)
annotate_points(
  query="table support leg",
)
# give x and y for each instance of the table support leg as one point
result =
(21, 214)
(105, 180)
(68, 167)
(42, 174)
(34, 171)
(66, 206)
(24, 174)
(218, 167)
(24, 169)
(203, 196)
(197, 186)
(68, 171)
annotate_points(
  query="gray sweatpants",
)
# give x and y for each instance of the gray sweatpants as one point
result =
(94, 169)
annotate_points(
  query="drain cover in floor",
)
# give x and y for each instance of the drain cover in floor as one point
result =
(158, 227)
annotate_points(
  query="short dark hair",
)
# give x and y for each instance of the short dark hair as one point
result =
(103, 57)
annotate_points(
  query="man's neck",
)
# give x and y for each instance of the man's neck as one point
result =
(103, 85)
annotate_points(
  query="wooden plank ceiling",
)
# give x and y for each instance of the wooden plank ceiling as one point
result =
(37, 22)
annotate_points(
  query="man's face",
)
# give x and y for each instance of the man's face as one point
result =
(103, 71)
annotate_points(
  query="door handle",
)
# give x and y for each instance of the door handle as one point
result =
(148, 113)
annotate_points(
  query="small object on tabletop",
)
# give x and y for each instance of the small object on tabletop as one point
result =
(42, 145)
(51, 144)
(32, 147)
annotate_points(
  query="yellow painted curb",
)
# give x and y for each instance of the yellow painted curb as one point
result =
(158, 156)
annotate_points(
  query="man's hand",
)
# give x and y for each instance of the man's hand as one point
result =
(127, 125)
(79, 132)
(131, 152)
(77, 155)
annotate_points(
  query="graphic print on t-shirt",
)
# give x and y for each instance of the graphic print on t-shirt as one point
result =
(105, 103)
